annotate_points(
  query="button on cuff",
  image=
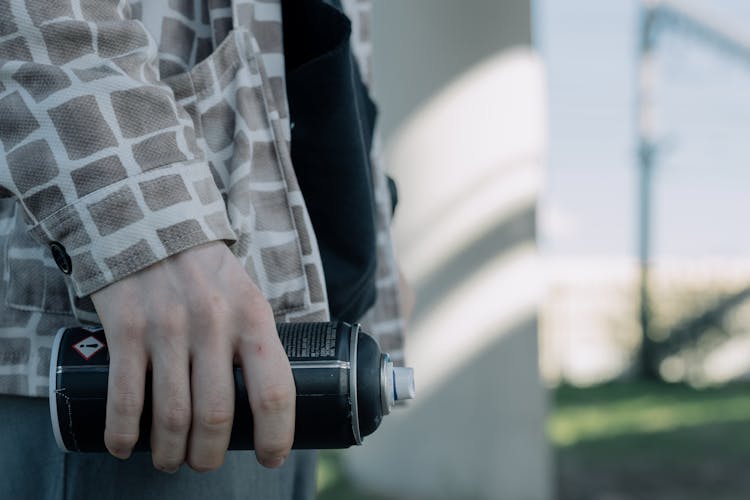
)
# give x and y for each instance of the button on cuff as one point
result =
(62, 259)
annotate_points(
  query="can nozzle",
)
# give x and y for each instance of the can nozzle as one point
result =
(397, 384)
(403, 383)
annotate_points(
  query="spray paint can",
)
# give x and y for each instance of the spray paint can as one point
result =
(345, 385)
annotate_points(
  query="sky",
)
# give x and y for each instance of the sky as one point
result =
(702, 177)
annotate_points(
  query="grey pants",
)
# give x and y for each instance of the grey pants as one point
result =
(33, 468)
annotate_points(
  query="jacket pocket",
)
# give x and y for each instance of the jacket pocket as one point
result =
(240, 131)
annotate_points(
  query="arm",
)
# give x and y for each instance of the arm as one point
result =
(105, 163)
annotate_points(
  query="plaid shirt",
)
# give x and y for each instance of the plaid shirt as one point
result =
(130, 131)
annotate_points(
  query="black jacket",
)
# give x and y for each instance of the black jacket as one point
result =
(333, 119)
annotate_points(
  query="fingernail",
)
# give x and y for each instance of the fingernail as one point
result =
(168, 470)
(275, 463)
(121, 454)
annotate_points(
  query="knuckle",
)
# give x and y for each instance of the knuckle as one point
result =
(215, 419)
(257, 313)
(275, 399)
(212, 305)
(175, 320)
(134, 325)
(175, 419)
(127, 404)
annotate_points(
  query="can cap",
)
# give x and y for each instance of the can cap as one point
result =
(403, 383)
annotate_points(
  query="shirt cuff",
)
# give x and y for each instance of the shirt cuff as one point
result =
(129, 225)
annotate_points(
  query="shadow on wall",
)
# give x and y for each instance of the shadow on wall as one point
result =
(509, 235)
(469, 167)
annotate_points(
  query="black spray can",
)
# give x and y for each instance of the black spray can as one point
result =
(345, 385)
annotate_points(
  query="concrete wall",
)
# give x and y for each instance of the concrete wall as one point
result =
(420, 45)
(463, 109)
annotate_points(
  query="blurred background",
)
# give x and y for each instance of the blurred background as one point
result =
(572, 217)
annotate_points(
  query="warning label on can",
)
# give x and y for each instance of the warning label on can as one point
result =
(309, 341)
(88, 347)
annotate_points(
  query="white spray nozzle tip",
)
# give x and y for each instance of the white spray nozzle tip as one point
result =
(403, 383)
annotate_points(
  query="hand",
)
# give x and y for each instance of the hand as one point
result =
(189, 317)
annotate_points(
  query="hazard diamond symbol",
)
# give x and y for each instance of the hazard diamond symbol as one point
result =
(88, 347)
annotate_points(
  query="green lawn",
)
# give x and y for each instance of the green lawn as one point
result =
(632, 441)
(652, 441)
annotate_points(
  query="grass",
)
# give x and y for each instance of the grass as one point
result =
(638, 408)
(631, 441)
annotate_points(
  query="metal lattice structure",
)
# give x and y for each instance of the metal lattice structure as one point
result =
(656, 17)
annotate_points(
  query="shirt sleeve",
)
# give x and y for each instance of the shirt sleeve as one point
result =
(94, 147)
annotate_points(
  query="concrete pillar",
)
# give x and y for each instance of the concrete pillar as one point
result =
(465, 121)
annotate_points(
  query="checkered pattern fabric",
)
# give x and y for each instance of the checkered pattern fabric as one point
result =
(130, 131)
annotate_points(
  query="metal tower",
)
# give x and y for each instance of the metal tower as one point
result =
(656, 17)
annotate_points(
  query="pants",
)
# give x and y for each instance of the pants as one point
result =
(32, 467)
